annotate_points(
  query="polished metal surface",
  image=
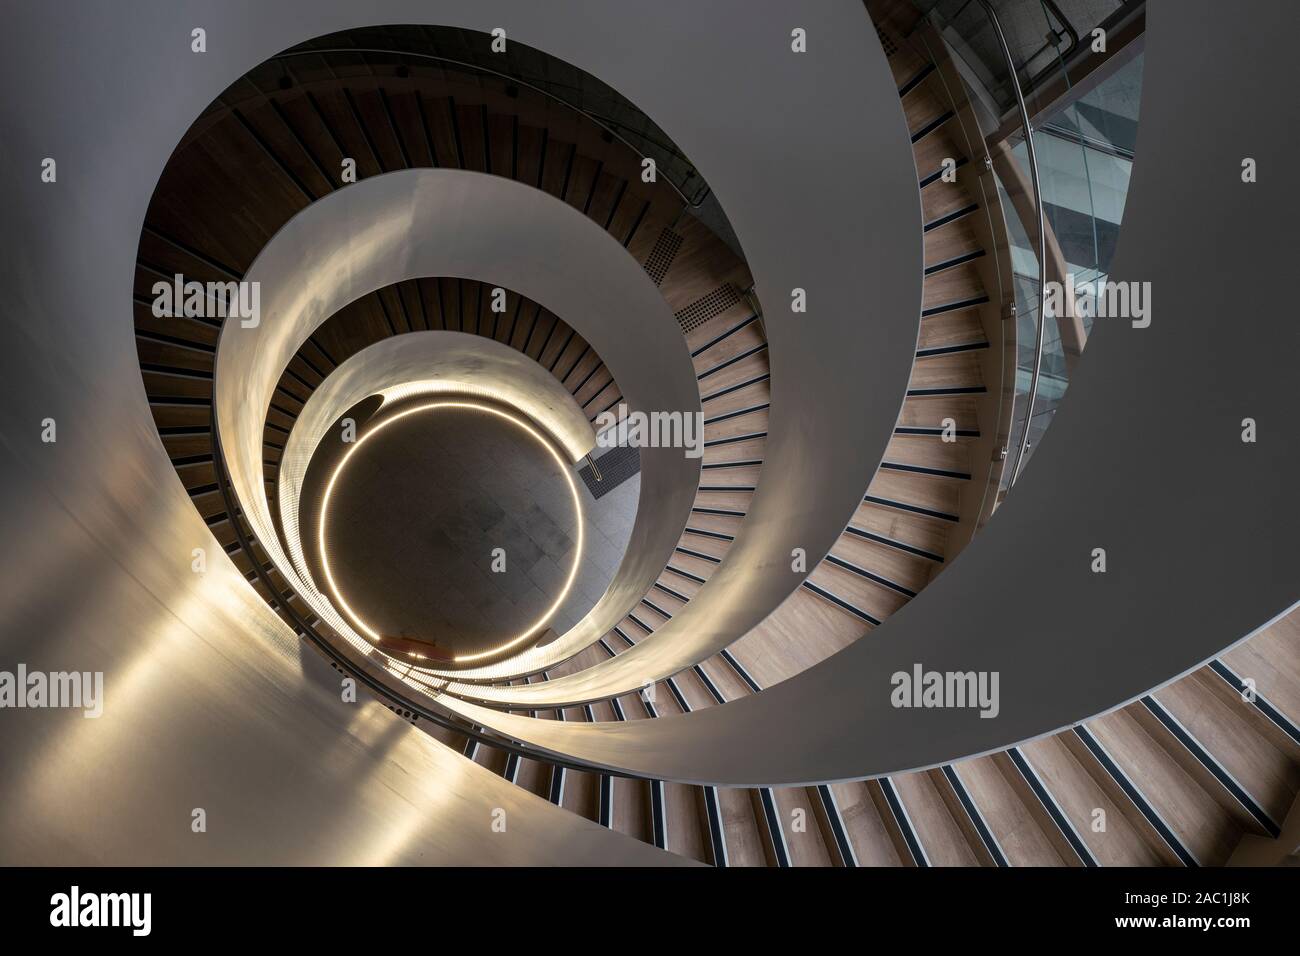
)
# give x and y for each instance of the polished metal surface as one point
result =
(207, 701)
(830, 381)
(435, 362)
(839, 370)
(436, 222)
(1145, 459)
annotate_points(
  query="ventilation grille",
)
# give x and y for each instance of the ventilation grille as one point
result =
(616, 466)
(887, 42)
(702, 309)
(662, 255)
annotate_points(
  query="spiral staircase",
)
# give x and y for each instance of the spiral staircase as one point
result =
(769, 576)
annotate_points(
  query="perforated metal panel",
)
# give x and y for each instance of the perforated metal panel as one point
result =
(706, 307)
(887, 42)
(662, 255)
(616, 466)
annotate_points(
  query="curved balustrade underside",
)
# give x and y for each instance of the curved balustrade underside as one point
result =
(412, 223)
(429, 363)
(208, 694)
(1145, 460)
(433, 362)
(198, 668)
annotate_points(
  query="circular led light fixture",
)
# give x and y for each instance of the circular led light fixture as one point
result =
(541, 622)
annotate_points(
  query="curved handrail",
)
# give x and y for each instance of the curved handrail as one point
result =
(1042, 239)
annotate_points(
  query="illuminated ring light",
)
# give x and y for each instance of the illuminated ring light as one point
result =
(537, 436)
(426, 361)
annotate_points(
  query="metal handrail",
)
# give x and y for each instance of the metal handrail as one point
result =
(693, 202)
(1018, 461)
